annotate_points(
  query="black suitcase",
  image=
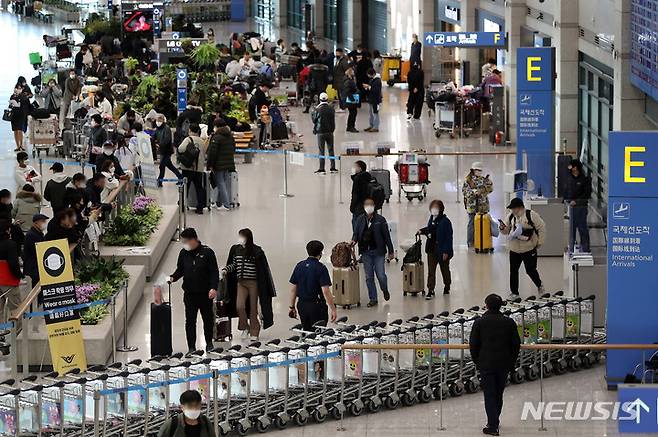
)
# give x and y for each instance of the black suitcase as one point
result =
(279, 131)
(40, 113)
(222, 330)
(161, 344)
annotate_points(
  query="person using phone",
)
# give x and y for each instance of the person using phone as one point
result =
(311, 289)
(476, 190)
(527, 233)
(25, 173)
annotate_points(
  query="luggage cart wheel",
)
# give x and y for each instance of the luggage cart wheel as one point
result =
(472, 385)
(319, 416)
(588, 360)
(424, 396)
(391, 402)
(301, 419)
(280, 422)
(560, 366)
(262, 426)
(241, 430)
(408, 400)
(374, 404)
(517, 376)
(356, 408)
(456, 389)
(437, 134)
(531, 373)
(574, 363)
(548, 369)
(437, 391)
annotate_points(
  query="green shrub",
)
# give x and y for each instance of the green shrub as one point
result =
(130, 229)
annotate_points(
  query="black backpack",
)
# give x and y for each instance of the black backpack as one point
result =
(528, 217)
(414, 254)
(377, 192)
(189, 158)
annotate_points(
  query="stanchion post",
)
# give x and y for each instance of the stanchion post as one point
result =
(26, 343)
(285, 193)
(125, 347)
(457, 176)
(541, 387)
(114, 334)
(340, 180)
(97, 413)
(40, 174)
(13, 348)
(443, 381)
(184, 204)
(181, 205)
(215, 401)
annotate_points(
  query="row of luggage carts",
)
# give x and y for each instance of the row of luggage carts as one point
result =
(456, 113)
(295, 380)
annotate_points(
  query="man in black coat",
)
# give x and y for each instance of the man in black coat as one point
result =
(164, 140)
(32, 237)
(197, 265)
(108, 154)
(360, 181)
(494, 345)
(324, 124)
(577, 193)
(416, 82)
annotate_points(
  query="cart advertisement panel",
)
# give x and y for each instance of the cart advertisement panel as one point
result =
(58, 290)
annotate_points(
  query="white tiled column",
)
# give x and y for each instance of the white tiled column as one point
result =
(515, 13)
(281, 14)
(426, 25)
(629, 101)
(468, 24)
(565, 39)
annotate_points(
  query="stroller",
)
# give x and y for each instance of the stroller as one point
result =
(413, 174)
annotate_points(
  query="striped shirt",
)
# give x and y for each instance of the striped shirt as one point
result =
(243, 266)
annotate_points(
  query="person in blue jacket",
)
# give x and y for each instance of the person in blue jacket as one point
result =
(438, 247)
(373, 237)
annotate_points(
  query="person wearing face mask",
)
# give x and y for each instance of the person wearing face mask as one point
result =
(94, 190)
(10, 271)
(7, 214)
(55, 191)
(438, 247)
(192, 423)
(476, 190)
(373, 238)
(72, 90)
(126, 123)
(360, 181)
(197, 265)
(20, 107)
(51, 96)
(527, 232)
(36, 234)
(25, 173)
(249, 284)
(164, 141)
(350, 94)
(97, 137)
(109, 154)
(111, 181)
(63, 226)
(311, 289)
(77, 187)
(221, 161)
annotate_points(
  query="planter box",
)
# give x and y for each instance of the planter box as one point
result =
(97, 338)
(150, 255)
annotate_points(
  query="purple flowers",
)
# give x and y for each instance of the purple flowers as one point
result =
(141, 203)
(83, 292)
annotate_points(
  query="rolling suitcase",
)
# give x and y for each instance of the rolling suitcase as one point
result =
(222, 330)
(233, 194)
(191, 192)
(346, 287)
(482, 229)
(413, 278)
(161, 343)
(384, 178)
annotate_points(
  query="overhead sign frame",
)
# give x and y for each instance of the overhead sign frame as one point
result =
(466, 39)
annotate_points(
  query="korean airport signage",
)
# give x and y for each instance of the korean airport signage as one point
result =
(638, 408)
(158, 14)
(632, 247)
(465, 39)
(58, 291)
(535, 121)
(181, 81)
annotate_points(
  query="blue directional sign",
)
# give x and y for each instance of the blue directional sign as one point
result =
(182, 99)
(638, 408)
(465, 39)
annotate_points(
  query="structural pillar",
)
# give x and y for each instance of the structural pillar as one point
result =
(566, 86)
(281, 14)
(515, 13)
(469, 24)
(426, 20)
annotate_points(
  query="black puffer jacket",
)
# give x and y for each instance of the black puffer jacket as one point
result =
(221, 150)
(360, 182)
(324, 119)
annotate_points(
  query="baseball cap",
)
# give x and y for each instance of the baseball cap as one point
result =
(515, 203)
(324, 97)
(57, 167)
(477, 165)
(37, 217)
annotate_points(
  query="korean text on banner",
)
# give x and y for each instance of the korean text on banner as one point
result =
(58, 290)
(149, 176)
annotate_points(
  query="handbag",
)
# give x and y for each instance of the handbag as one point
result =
(6, 116)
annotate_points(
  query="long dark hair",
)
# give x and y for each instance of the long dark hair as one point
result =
(249, 246)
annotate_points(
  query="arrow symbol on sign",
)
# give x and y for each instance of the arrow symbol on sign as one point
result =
(428, 39)
(638, 405)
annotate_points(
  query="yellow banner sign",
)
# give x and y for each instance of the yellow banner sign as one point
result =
(58, 291)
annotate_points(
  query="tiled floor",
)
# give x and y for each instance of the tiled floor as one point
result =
(283, 226)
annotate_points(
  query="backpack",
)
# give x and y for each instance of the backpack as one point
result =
(189, 158)
(414, 254)
(528, 217)
(377, 192)
(342, 255)
(275, 115)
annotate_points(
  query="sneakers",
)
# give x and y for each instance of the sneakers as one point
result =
(368, 129)
(446, 290)
(223, 208)
(253, 338)
(490, 431)
(209, 347)
(373, 130)
(409, 117)
(372, 303)
(320, 172)
(352, 130)
(333, 171)
(512, 296)
(387, 295)
(429, 295)
(199, 211)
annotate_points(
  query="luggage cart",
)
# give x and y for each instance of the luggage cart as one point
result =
(43, 134)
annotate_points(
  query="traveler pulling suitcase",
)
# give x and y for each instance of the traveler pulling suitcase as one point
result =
(347, 291)
(191, 192)
(482, 230)
(384, 178)
(222, 330)
(413, 278)
(161, 343)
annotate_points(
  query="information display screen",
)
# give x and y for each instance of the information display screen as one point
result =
(644, 46)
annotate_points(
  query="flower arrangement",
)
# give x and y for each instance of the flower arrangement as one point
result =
(134, 223)
(84, 292)
(98, 279)
(141, 204)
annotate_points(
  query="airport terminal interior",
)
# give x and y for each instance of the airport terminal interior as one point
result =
(480, 104)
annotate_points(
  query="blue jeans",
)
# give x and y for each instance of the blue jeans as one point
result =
(579, 223)
(373, 117)
(470, 230)
(223, 187)
(373, 264)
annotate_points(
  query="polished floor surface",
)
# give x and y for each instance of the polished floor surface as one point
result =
(319, 210)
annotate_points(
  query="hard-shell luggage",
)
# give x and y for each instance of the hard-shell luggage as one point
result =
(413, 278)
(279, 131)
(384, 178)
(222, 330)
(161, 337)
(482, 230)
(191, 192)
(346, 287)
(234, 189)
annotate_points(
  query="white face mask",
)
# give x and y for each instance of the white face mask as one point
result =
(242, 241)
(435, 212)
(191, 414)
(518, 213)
(26, 162)
(43, 227)
(354, 170)
(72, 76)
(477, 172)
(111, 170)
(187, 246)
(81, 186)
(369, 209)
(158, 123)
(108, 152)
